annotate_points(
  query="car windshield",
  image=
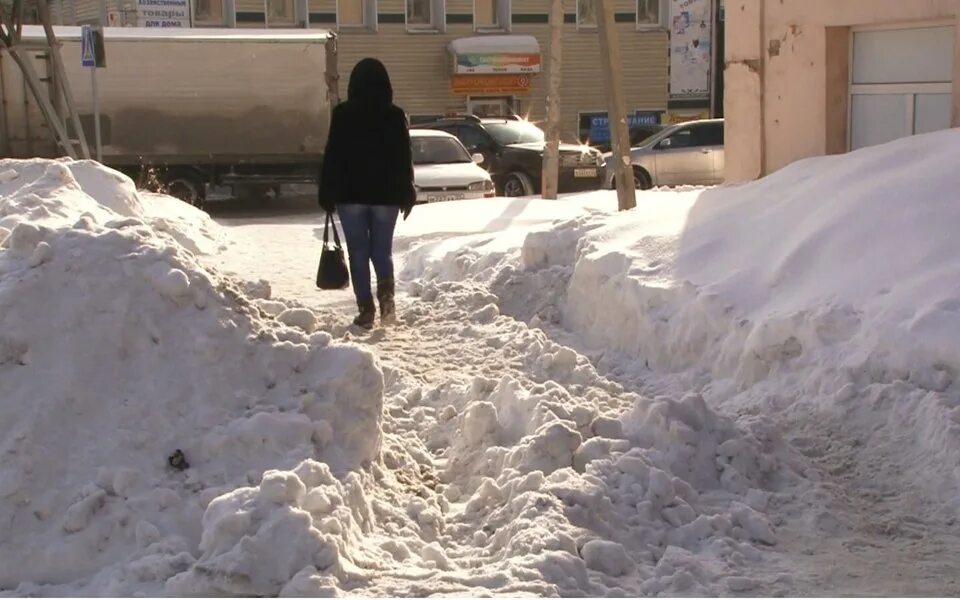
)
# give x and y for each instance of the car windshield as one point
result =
(515, 132)
(438, 151)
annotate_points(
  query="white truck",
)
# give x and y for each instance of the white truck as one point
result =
(194, 107)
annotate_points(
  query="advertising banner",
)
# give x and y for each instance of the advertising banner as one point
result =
(163, 13)
(690, 49)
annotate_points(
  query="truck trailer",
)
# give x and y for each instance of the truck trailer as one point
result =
(193, 108)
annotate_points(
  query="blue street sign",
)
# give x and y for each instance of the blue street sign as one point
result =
(87, 54)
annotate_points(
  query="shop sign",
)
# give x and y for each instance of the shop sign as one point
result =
(595, 127)
(468, 85)
(675, 117)
(497, 63)
(163, 13)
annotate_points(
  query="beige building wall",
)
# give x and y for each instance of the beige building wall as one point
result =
(420, 67)
(787, 74)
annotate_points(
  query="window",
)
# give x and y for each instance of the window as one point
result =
(515, 132)
(586, 14)
(679, 139)
(425, 15)
(491, 15)
(900, 84)
(710, 134)
(208, 12)
(693, 136)
(429, 150)
(651, 13)
(356, 13)
(472, 138)
(280, 13)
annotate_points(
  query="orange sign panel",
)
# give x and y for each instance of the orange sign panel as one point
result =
(466, 85)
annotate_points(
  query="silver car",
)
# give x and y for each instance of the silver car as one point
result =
(689, 153)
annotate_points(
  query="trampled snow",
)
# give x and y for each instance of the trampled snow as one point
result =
(738, 390)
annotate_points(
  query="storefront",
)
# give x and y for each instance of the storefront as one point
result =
(494, 74)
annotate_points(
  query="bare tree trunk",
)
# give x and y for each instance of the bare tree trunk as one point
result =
(616, 105)
(551, 153)
(61, 76)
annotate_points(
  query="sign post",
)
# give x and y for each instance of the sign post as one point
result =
(92, 56)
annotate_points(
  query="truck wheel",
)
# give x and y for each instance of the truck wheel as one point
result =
(186, 186)
(517, 184)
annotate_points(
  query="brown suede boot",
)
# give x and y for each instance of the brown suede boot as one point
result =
(385, 294)
(368, 314)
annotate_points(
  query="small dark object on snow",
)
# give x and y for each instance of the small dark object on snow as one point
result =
(178, 461)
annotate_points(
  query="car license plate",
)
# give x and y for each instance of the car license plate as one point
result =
(584, 172)
(444, 197)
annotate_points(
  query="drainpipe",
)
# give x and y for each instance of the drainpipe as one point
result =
(763, 88)
(955, 117)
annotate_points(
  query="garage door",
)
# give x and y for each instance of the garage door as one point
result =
(901, 83)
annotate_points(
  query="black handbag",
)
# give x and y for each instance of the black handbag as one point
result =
(332, 274)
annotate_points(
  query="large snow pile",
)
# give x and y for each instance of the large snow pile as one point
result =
(117, 349)
(833, 281)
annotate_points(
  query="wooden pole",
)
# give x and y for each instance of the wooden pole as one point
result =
(616, 104)
(331, 71)
(551, 152)
(61, 76)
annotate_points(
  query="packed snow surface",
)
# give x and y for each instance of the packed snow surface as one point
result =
(743, 390)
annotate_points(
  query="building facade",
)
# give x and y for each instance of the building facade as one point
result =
(814, 77)
(481, 56)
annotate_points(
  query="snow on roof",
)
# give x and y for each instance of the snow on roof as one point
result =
(35, 32)
(429, 133)
(494, 44)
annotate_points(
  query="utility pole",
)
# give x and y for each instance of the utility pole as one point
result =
(551, 152)
(616, 104)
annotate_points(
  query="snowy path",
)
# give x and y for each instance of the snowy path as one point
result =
(856, 524)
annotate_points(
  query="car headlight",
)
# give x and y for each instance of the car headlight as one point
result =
(481, 186)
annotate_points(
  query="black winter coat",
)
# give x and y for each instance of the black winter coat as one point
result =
(368, 159)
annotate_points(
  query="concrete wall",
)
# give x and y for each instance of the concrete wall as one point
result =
(786, 76)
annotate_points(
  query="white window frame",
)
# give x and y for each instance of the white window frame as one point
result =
(504, 18)
(369, 17)
(583, 26)
(661, 25)
(438, 18)
(283, 24)
(223, 21)
(907, 91)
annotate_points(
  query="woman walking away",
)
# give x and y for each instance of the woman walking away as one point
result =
(367, 178)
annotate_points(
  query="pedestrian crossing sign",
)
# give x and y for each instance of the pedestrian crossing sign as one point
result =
(92, 52)
(87, 55)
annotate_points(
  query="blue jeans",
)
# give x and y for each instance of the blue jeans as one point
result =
(368, 230)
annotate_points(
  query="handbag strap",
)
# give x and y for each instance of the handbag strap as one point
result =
(326, 229)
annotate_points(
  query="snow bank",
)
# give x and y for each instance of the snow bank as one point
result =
(58, 193)
(117, 350)
(839, 268)
(567, 480)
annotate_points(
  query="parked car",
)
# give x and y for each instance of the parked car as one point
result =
(443, 170)
(638, 135)
(512, 152)
(689, 153)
